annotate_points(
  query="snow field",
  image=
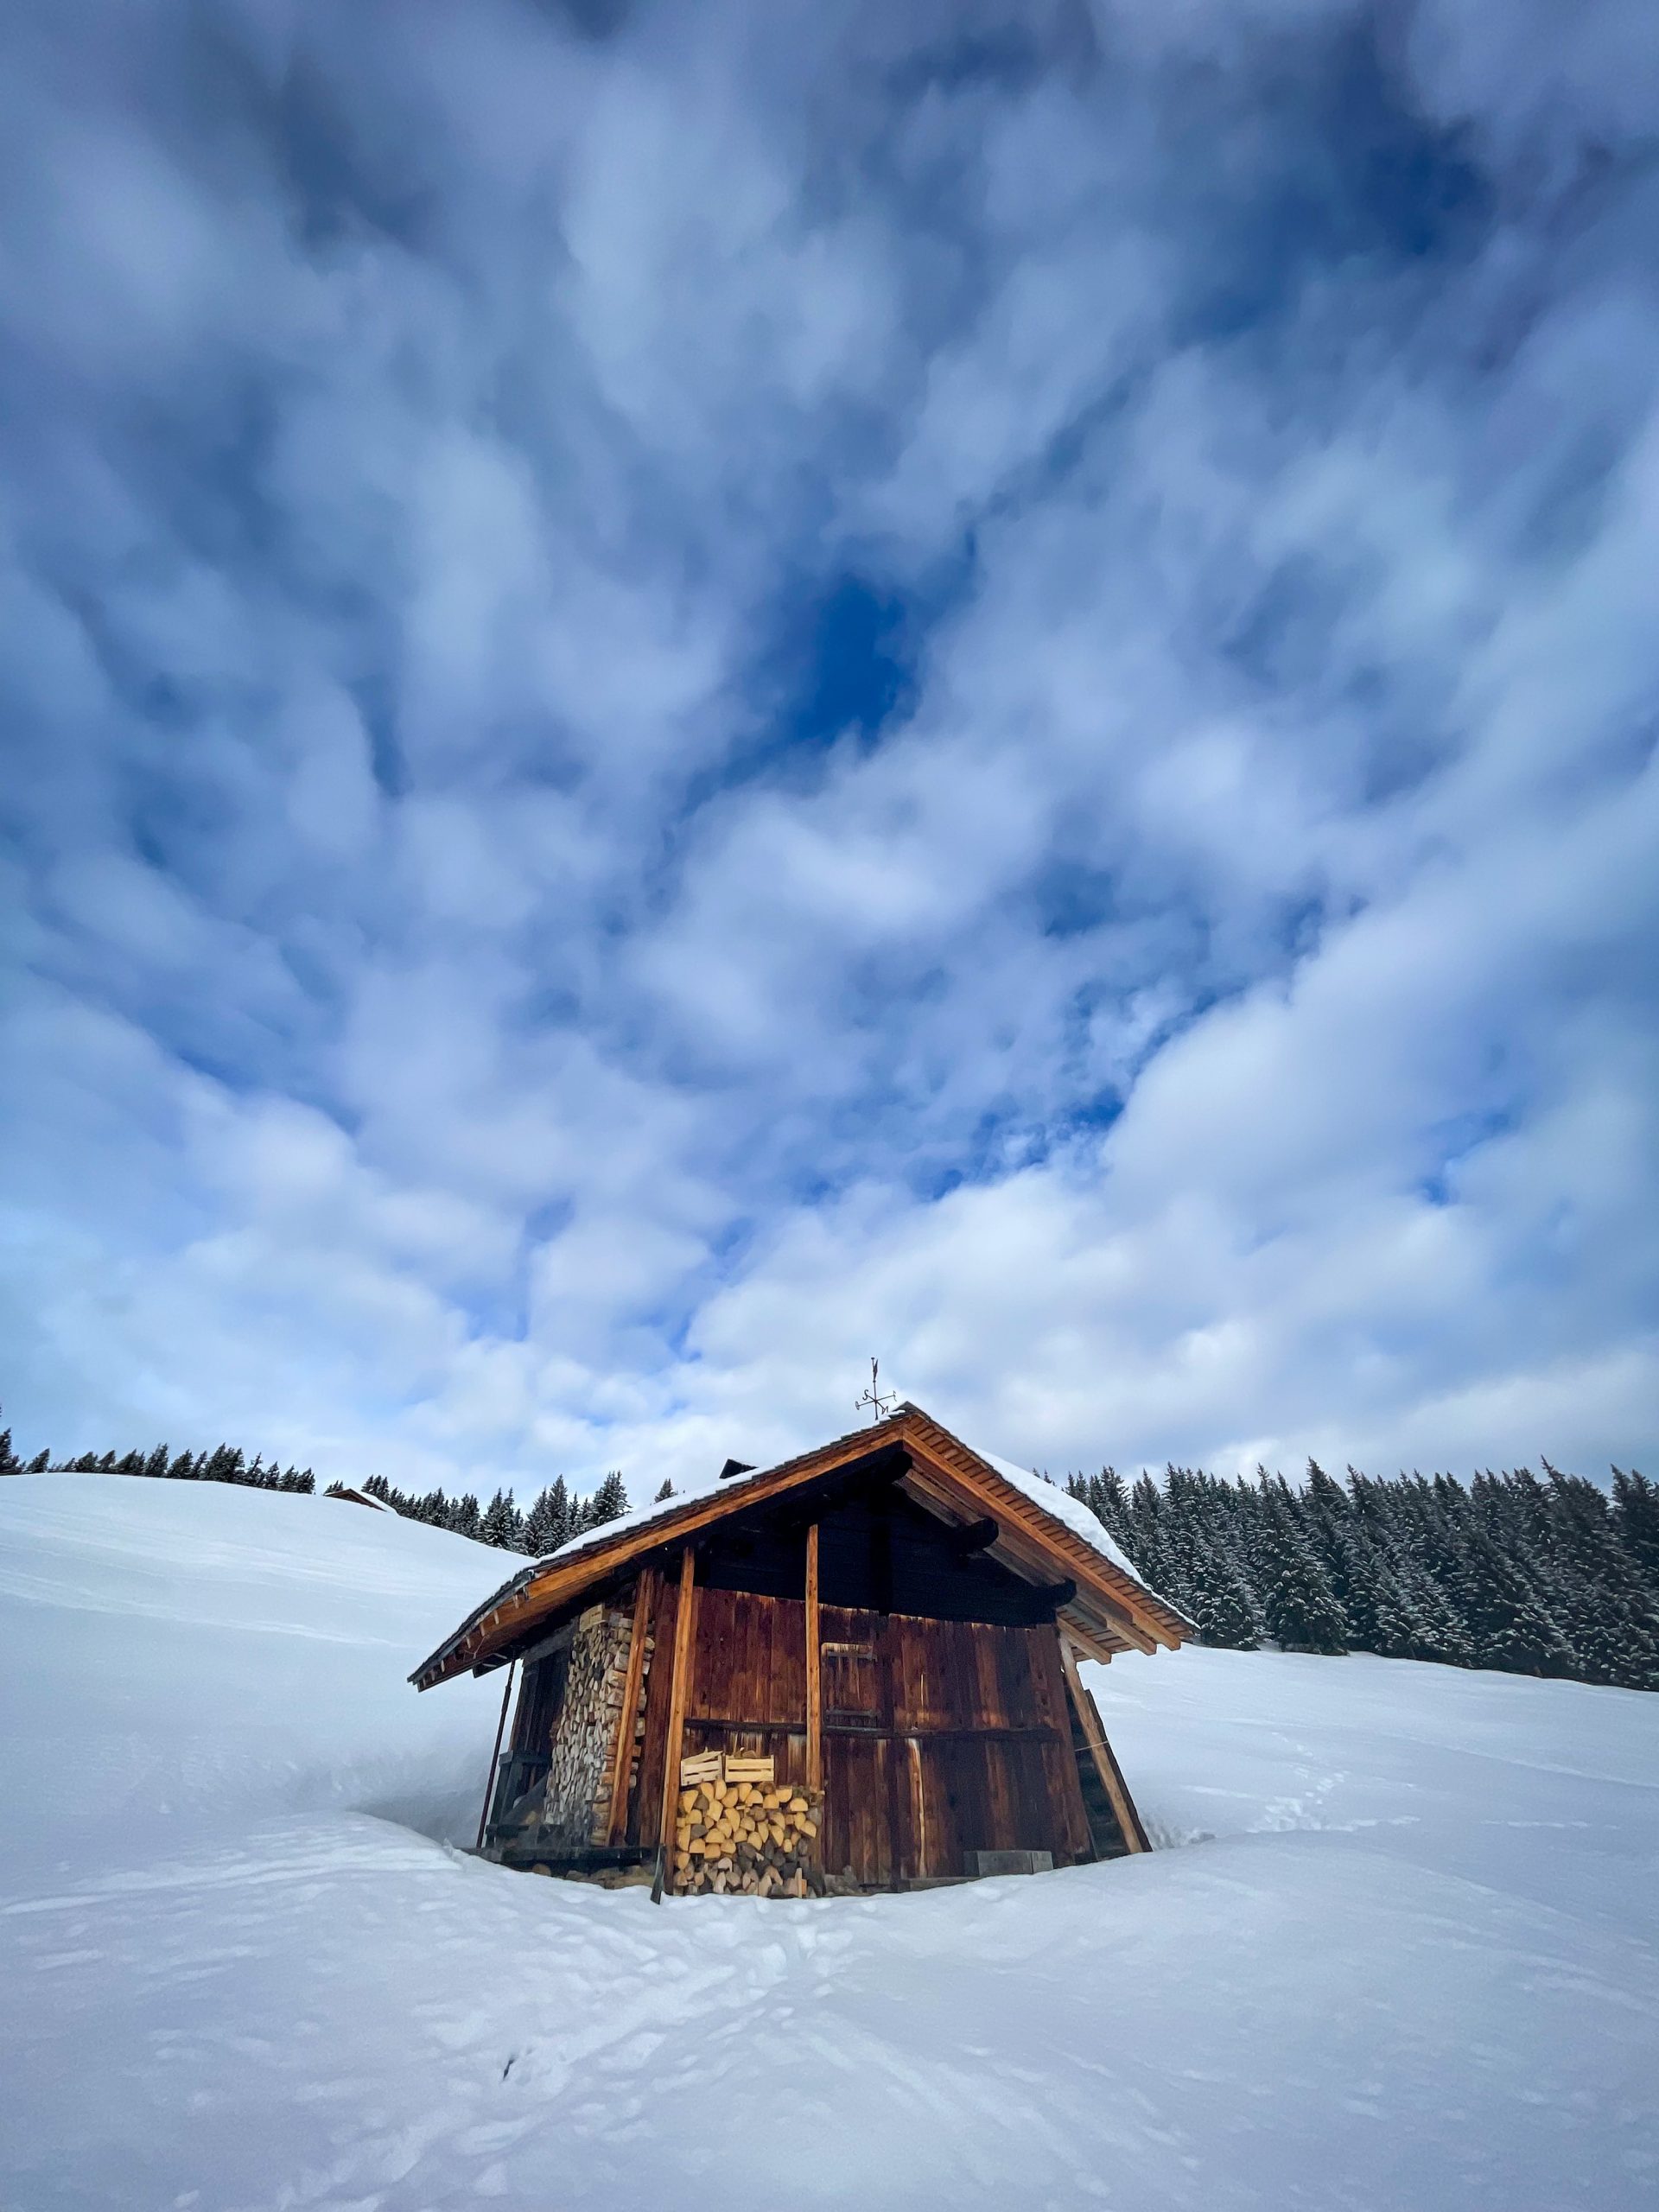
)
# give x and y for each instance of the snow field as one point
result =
(185, 1653)
(1411, 1963)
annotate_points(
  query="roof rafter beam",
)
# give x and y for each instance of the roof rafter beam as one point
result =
(973, 1536)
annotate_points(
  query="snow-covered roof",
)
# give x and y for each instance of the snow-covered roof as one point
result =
(1062, 1506)
(904, 1424)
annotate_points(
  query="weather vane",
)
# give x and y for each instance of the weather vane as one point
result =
(872, 1397)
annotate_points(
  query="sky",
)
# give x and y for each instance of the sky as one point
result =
(690, 692)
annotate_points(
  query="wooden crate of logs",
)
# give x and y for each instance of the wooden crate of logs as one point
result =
(740, 1832)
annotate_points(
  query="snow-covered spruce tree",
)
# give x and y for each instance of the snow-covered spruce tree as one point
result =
(1258, 1553)
(1148, 1545)
(1357, 1580)
(1636, 1516)
(1432, 1627)
(664, 1494)
(1322, 1511)
(1613, 1619)
(1512, 1629)
(1107, 1499)
(1181, 1540)
(1301, 1611)
(547, 1524)
(1299, 1606)
(608, 1503)
(503, 1524)
(1227, 1615)
(1354, 1567)
(1402, 1609)
(1201, 1542)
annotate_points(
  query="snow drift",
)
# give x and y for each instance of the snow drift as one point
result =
(193, 1650)
(1405, 1956)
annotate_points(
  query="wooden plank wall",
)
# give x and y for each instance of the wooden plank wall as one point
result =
(749, 1693)
(939, 1737)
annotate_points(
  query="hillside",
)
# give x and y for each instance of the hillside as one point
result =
(1406, 1957)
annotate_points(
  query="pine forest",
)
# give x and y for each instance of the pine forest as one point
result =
(1525, 1574)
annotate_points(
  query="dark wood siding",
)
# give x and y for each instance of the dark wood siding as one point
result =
(858, 1824)
(941, 1737)
(748, 1689)
(750, 1661)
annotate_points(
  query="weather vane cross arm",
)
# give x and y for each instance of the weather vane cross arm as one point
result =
(880, 1404)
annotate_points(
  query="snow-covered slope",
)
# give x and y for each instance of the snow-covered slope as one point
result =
(1405, 1958)
(194, 1651)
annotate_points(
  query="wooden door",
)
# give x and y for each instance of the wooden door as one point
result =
(942, 1738)
(862, 1827)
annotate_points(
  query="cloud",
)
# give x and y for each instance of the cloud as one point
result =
(510, 977)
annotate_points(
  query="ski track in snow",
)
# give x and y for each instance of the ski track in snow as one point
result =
(1413, 1960)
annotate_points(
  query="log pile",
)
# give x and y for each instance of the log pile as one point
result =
(591, 1732)
(740, 1832)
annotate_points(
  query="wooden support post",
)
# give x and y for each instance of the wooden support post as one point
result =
(629, 1717)
(813, 1682)
(495, 1759)
(684, 1613)
(1106, 1766)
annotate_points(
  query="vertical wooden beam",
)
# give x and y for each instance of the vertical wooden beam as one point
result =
(629, 1719)
(495, 1759)
(1106, 1765)
(684, 1612)
(813, 1682)
(1054, 1698)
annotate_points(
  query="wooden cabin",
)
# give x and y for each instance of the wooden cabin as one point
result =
(883, 1634)
(348, 1496)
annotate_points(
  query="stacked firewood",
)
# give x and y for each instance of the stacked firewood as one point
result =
(740, 1832)
(591, 1730)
